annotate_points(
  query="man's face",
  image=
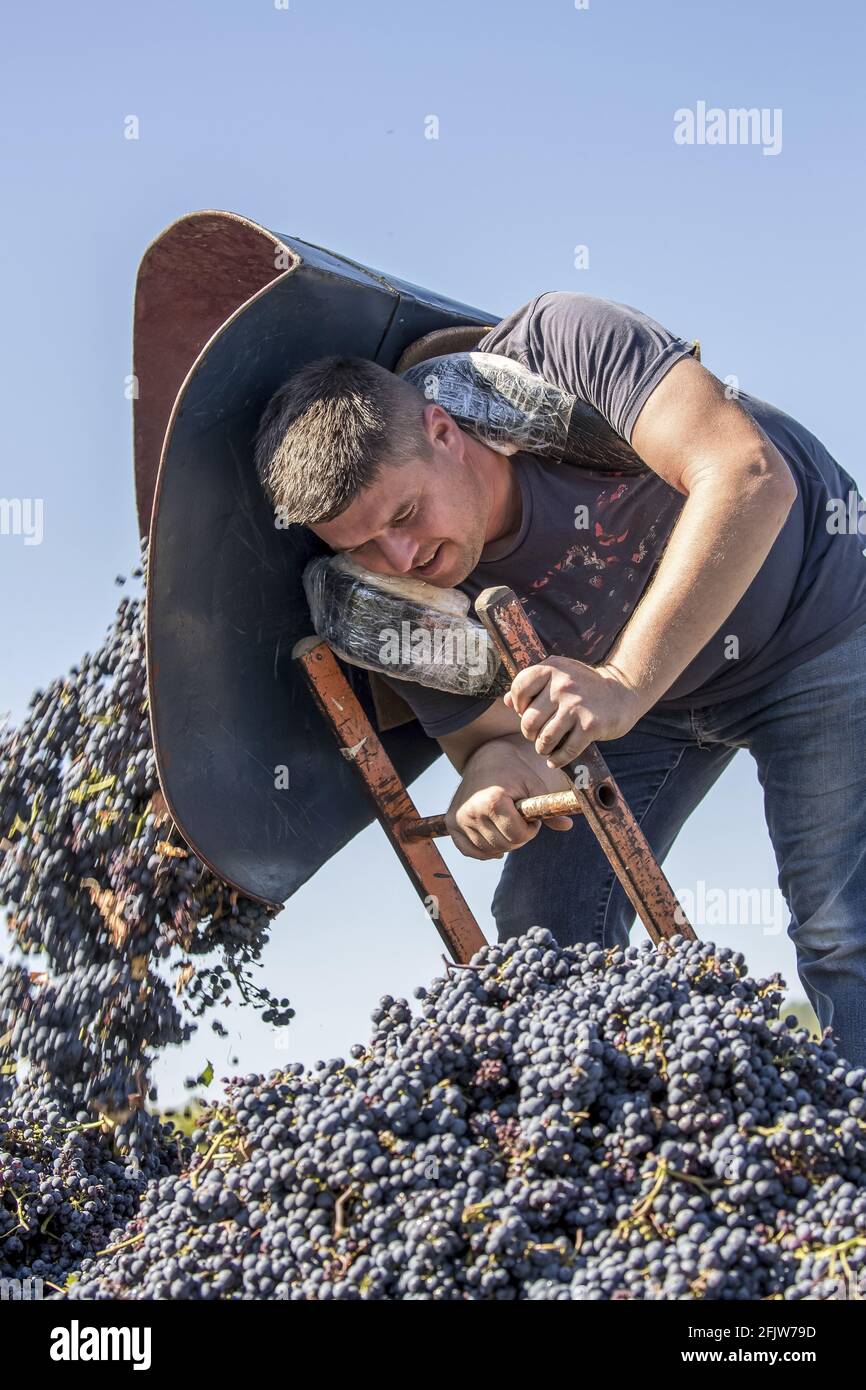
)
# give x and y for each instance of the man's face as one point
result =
(424, 518)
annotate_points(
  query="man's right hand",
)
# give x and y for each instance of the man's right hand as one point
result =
(482, 820)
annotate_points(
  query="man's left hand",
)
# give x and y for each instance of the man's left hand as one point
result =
(564, 706)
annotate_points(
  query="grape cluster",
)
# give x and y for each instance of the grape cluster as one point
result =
(63, 1186)
(110, 914)
(553, 1123)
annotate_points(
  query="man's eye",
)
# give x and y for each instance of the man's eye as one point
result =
(406, 516)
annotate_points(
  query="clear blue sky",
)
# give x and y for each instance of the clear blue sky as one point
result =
(555, 129)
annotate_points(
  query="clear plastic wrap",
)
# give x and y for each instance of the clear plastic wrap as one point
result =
(402, 628)
(506, 406)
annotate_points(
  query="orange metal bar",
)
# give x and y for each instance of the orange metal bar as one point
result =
(360, 744)
(601, 800)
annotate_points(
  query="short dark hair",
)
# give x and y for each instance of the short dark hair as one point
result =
(326, 433)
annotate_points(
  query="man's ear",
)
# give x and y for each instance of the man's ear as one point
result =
(439, 426)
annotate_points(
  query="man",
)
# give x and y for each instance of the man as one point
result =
(714, 599)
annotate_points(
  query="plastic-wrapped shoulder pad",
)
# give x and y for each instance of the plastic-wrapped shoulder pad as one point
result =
(512, 409)
(506, 406)
(405, 629)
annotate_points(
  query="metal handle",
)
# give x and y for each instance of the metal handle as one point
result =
(530, 807)
(600, 798)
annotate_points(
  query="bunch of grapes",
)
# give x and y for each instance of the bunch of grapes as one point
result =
(555, 1123)
(109, 912)
(66, 1183)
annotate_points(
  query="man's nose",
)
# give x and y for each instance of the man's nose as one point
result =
(399, 550)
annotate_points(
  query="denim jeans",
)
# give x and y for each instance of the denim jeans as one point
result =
(807, 733)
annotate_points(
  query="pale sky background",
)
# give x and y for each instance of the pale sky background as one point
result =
(556, 129)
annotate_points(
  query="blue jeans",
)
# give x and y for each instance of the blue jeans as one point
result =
(807, 733)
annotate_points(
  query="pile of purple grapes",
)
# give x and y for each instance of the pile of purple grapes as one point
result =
(554, 1124)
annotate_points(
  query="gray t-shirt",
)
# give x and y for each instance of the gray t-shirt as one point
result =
(590, 540)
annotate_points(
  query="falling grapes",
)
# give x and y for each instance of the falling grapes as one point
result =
(110, 916)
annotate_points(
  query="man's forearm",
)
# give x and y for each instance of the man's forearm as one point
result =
(721, 539)
(738, 491)
(506, 751)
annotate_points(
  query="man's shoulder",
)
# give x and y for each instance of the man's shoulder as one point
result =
(550, 312)
(571, 301)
